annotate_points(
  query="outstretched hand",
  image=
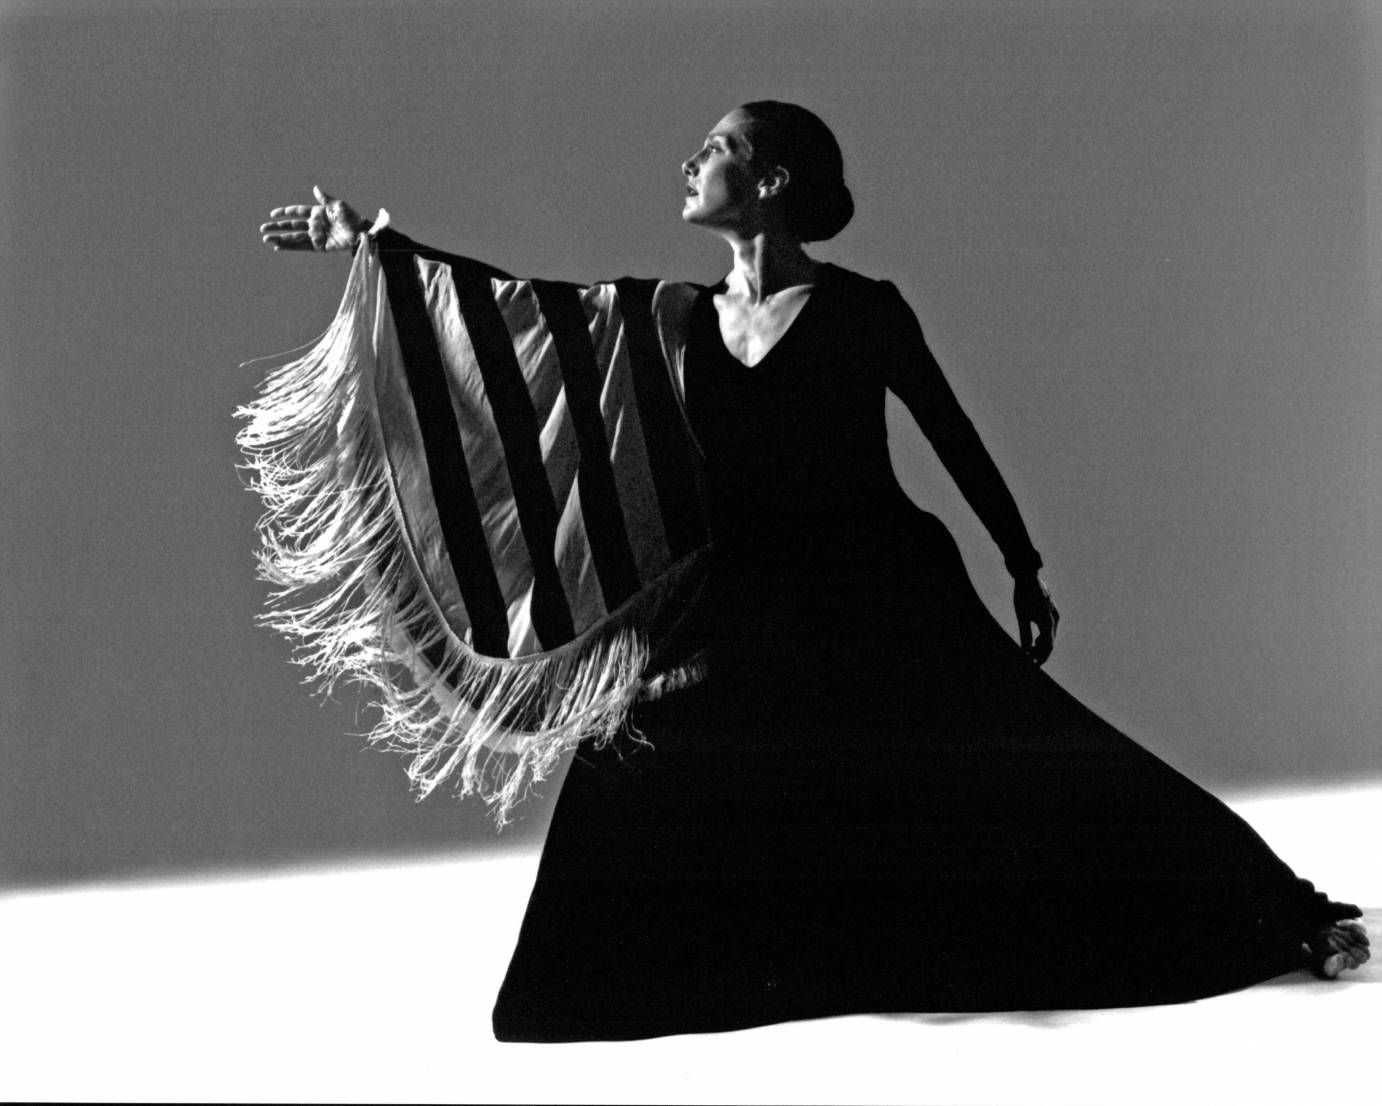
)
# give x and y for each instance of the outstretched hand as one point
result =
(329, 224)
(1033, 605)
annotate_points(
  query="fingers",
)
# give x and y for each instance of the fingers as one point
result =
(1351, 939)
(1046, 639)
(1045, 620)
(296, 227)
(288, 228)
(1337, 948)
(299, 241)
(287, 234)
(1046, 636)
(1035, 609)
(1040, 649)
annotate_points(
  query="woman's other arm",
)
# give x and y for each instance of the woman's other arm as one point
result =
(916, 379)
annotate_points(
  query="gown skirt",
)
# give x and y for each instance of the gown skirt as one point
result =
(875, 802)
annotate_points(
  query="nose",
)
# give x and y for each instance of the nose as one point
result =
(688, 167)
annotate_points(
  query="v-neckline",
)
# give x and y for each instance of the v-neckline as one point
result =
(715, 289)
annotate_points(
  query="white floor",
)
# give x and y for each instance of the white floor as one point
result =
(374, 984)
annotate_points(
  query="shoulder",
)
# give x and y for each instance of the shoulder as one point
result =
(674, 299)
(868, 298)
(858, 286)
(673, 306)
(847, 280)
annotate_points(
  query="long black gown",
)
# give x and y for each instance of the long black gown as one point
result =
(876, 802)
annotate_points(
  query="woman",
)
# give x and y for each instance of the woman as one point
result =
(876, 801)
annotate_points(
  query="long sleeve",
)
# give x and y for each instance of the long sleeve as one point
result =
(914, 376)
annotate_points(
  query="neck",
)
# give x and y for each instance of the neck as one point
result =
(765, 264)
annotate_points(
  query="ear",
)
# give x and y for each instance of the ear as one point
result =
(772, 184)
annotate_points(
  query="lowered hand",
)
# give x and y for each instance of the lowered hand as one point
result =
(1033, 605)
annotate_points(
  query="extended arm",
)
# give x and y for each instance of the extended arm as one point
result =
(481, 501)
(331, 226)
(916, 379)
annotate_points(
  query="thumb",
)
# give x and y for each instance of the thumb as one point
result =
(322, 197)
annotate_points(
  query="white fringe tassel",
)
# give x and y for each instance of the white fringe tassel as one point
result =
(351, 598)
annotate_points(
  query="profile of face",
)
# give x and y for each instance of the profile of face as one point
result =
(721, 187)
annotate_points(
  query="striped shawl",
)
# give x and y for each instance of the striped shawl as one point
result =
(483, 501)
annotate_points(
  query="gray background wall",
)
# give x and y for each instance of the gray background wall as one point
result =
(1144, 240)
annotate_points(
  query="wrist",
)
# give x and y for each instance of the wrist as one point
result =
(1024, 567)
(368, 228)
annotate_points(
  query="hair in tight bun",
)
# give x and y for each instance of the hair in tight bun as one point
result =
(816, 202)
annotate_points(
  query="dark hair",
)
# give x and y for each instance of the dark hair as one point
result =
(816, 203)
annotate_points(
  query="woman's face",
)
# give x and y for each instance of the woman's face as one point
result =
(721, 190)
